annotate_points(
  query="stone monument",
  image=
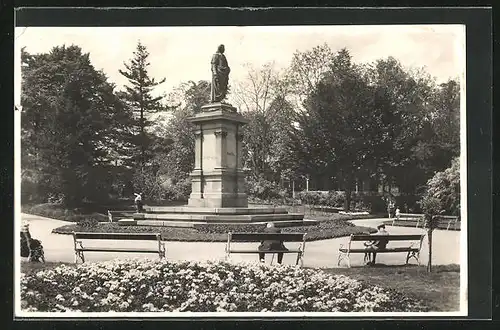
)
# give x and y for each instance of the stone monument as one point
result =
(217, 178)
(218, 181)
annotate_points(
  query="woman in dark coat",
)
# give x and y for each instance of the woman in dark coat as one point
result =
(31, 247)
(272, 245)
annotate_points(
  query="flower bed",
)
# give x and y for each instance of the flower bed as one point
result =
(218, 232)
(152, 285)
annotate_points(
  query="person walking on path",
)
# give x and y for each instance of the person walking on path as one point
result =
(271, 245)
(390, 209)
(138, 202)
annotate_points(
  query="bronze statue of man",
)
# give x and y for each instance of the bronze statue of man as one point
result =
(220, 75)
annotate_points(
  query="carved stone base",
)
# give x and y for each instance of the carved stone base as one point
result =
(217, 180)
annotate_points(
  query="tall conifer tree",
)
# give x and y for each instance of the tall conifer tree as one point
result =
(140, 100)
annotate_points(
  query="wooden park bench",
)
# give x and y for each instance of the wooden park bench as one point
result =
(259, 237)
(445, 221)
(412, 250)
(450, 221)
(79, 237)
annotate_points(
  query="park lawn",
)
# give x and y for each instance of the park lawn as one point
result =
(86, 211)
(32, 267)
(326, 229)
(440, 290)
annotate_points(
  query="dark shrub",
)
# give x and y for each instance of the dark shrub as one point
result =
(264, 190)
(408, 203)
(374, 203)
(225, 228)
(331, 198)
(87, 222)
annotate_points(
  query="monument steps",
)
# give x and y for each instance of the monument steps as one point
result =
(191, 224)
(213, 210)
(232, 218)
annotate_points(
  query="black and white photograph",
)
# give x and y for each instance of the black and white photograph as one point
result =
(240, 170)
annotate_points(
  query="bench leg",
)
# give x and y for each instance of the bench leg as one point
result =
(414, 255)
(79, 255)
(343, 256)
(299, 259)
(340, 258)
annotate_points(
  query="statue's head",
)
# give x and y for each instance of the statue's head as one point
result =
(221, 49)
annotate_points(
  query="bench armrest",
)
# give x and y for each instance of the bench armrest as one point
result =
(80, 243)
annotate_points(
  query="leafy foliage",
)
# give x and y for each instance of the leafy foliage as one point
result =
(325, 118)
(264, 189)
(261, 96)
(443, 192)
(337, 125)
(68, 116)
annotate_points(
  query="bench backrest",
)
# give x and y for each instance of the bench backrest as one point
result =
(417, 216)
(257, 237)
(386, 237)
(119, 236)
(410, 215)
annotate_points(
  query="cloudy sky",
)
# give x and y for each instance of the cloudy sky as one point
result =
(183, 53)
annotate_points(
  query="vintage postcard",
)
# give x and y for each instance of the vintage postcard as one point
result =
(306, 170)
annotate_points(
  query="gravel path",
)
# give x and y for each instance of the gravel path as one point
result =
(446, 249)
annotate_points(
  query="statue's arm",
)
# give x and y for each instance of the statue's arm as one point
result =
(215, 62)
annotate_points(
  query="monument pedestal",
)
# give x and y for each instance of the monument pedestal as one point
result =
(218, 182)
(217, 178)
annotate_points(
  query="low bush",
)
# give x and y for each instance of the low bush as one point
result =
(178, 191)
(331, 198)
(225, 228)
(86, 222)
(214, 286)
(263, 190)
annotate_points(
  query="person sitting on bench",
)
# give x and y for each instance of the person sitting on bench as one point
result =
(271, 245)
(378, 244)
(31, 247)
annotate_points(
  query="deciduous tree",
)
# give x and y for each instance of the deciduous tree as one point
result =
(67, 121)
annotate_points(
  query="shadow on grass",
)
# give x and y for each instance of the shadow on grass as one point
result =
(440, 289)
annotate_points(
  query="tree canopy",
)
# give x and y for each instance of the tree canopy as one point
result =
(68, 118)
(326, 118)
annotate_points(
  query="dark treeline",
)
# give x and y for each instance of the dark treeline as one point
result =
(325, 120)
